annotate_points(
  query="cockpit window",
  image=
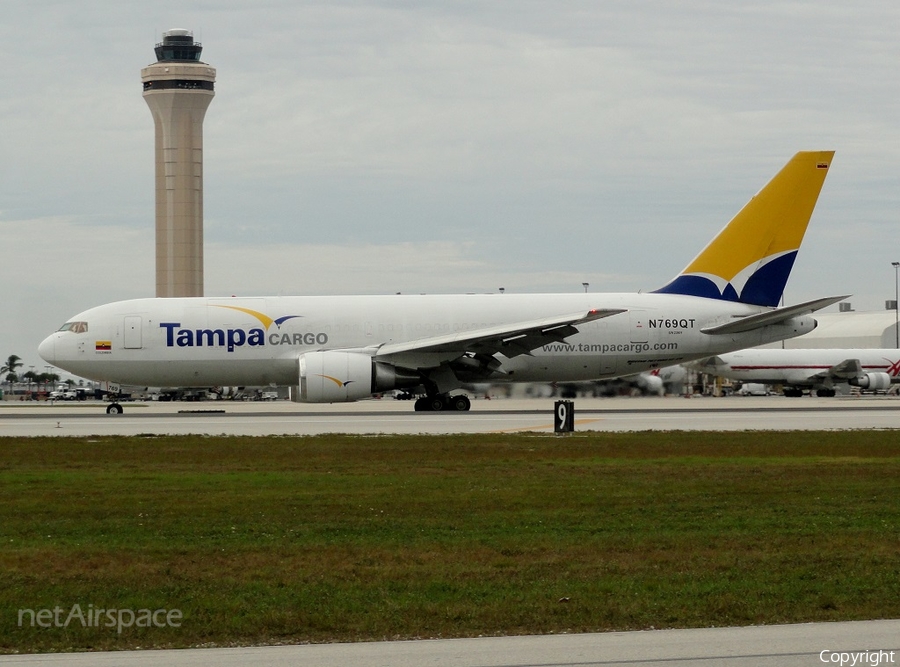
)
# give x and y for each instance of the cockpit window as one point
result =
(75, 327)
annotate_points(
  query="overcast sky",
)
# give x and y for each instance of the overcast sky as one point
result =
(377, 147)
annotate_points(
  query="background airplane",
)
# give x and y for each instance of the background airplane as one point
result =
(658, 382)
(346, 348)
(813, 370)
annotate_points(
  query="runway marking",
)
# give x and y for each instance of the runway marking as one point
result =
(541, 427)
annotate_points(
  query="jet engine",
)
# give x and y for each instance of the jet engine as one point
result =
(340, 377)
(872, 381)
(651, 384)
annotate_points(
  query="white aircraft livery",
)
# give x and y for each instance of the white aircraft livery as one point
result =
(815, 370)
(346, 348)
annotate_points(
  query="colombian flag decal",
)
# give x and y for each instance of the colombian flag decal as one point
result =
(103, 345)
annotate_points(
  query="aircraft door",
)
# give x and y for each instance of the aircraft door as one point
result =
(132, 333)
(639, 332)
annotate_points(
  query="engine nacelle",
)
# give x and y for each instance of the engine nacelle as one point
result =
(340, 377)
(651, 384)
(873, 381)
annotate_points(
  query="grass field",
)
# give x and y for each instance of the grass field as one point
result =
(277, 539)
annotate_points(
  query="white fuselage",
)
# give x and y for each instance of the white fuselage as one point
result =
(257, 341)
(801, 367)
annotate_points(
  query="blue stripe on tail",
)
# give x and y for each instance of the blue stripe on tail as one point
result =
(763, 288)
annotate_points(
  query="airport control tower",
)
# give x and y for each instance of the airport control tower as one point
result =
(178, 88)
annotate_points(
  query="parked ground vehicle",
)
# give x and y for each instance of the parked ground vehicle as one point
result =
(753, 389)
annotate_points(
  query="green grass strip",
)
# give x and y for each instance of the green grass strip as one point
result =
(347, 538)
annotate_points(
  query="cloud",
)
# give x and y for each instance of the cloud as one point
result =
(412, 268)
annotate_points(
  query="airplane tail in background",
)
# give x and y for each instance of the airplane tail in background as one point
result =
(751, 258)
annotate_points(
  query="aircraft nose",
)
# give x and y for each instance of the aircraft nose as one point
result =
(47, 349)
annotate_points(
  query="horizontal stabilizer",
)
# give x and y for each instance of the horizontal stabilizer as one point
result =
(771, 317)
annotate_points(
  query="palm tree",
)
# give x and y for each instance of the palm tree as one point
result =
(10, 367)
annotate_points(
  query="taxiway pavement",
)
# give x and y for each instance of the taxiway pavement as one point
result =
(802, 645)
(486, 416)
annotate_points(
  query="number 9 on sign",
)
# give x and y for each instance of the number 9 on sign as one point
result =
(564, 417)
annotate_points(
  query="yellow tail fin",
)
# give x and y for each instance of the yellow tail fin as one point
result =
(751, 258)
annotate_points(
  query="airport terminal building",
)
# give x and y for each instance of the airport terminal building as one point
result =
(876, 329)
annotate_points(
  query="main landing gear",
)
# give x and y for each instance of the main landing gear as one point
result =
(114, 409)
(439, 402)
(795, 392)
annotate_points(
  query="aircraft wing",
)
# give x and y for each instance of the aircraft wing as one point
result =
(847, 369)
(708, 365)
(510, 340)
(775, 316)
